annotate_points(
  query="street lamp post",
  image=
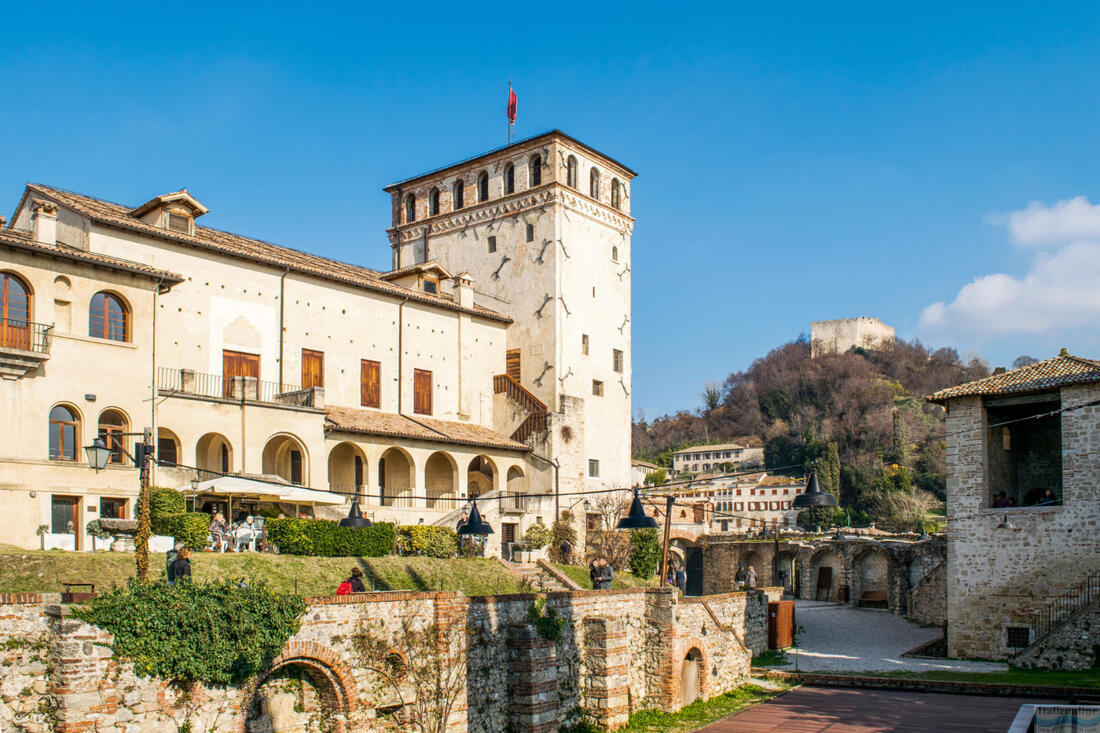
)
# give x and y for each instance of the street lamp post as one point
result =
(99, 454)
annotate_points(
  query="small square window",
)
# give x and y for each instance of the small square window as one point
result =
(492, 244)
(617, 360)
(530, 232)
(1018, 637)
(179, 223)
(593, 468)
(431, 286)
(597, 388)
(584, 344)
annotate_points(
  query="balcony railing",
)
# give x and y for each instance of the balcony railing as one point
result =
(22, 335)
(190, 382)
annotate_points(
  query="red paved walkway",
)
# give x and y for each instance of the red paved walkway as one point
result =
(845, 710)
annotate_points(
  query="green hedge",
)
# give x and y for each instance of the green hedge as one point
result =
(645, 552)
(325, 538)
(164, 502)
(191, 528)
(427, 541)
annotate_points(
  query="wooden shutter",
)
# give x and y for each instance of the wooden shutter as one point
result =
(512, 363)
(238, 364)
(422, 392)
(313, 368)
(370, 383)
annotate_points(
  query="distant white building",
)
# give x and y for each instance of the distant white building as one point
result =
(836, 337)
(747, 503)
(709, 458)
(640, 470)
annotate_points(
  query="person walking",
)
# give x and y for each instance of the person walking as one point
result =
(594, 573)
(750, 577)
(607, 574)
(681, 580)
(181, 568)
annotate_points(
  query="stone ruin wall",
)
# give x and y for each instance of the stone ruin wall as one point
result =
(837, 336)
(621, 651)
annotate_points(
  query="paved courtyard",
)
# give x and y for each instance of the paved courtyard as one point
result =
(844, 639)
(844, 710)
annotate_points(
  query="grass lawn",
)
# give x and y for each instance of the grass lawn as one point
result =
(579, 575)
(24, 571)
(696, 715)
(1014, 676)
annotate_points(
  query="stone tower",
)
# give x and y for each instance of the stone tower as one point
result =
(542, 228)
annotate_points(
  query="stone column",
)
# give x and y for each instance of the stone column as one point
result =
(82, 686)
(607, 660)
(533, 664)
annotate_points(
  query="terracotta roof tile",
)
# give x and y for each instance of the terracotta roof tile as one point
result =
(21, 239)
(373, 422)
(256, 250)
(1061, 371)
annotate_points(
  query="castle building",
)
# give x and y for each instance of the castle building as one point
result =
(711, 458)
(837, 337)
(416, 389)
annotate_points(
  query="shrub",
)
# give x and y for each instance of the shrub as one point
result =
(215, 633)
(190, 528)
(537, 536)
(560, 531)
(163, 502)
(645, 552)
(427, 541)
(97, 531)
(614, 544)
(545, 620)
(325, 538)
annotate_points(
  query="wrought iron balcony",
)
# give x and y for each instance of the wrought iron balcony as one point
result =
(190, 382)
(24, 345)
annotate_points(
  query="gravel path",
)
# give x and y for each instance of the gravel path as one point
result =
(841, 638)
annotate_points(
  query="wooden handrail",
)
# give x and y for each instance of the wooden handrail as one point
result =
(506, 385)
(535, 423)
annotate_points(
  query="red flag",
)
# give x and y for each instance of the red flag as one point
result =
(511, 106)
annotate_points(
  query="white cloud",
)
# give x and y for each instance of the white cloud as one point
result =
(1039, 224)
(1058, 299)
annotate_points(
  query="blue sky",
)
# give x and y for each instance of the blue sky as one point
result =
(796, 162)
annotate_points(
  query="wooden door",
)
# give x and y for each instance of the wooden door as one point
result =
(15, 307)
(422, 392)
(370, 383)
(238, 364)
(512, 363)
(313, 368)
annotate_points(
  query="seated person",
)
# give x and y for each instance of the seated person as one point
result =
(246, 532)
(1048, 498)
(219, 532)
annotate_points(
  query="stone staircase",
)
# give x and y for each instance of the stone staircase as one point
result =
(1082, 597)
(537, 577)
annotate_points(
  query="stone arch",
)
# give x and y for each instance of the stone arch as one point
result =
(213, 456)
(826, 557)
(285, 455)
(481, 476)
(441, 481)
(871, 569)
(516, 480)
(169, 447)
(788, 564)
(693, 673)
(345, 475)
(757, 562)
(329, 675)
(396, 477)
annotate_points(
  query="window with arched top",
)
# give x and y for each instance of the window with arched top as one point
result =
(64, 433)
(410, 208)
(433, 202)
(594, 183)
(482, 187)
(108, 317)
(571, 172)
(509, 179)
(112, 427)
(534, 174)
(15, 312)
(616, 193)
(456, 195)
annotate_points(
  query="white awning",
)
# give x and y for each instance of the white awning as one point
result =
(238, 486)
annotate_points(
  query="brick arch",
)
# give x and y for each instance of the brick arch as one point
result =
(692, 643)
(692, 539)
(333, 677)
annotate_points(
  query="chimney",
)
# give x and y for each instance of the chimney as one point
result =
(464, 290)
(44, 222)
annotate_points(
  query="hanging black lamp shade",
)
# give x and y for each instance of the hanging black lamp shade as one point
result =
(813, 495)
(475, 524)
(355, 518)
(636, 518)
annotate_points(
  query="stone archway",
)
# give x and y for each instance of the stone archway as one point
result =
(308, 684)
(825, 558)
(870, 577)
(693, 674)
(787, 571)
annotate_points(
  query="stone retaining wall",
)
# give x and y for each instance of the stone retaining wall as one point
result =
(1072, 646)
(620, 651)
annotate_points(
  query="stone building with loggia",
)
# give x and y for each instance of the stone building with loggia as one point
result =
(1023, 572)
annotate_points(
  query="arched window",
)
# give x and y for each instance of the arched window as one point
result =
(433, 202)
(410, 208)
(509, 179)
(108, 318)
(64, 433)
(571, 172)
(616, 193)
(15, 311)
(534, 175)
(113, 423)
(594, 184)
(482, 187)
(456, 195)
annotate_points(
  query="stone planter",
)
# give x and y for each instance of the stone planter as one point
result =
(123, 530)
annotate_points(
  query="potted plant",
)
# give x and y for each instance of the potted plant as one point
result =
(42, 531)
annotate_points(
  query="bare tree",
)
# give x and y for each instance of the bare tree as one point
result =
(611, 507)
(712, 396)
(904, 511)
